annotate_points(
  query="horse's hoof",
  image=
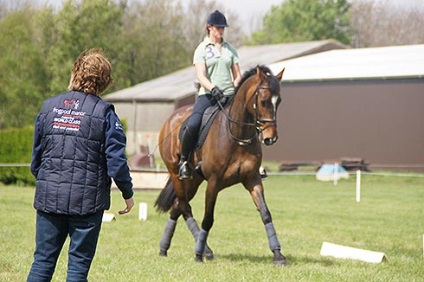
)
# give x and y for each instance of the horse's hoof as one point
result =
(280, 262)
(198, 258)
(279, 259)
(208, 254)
(163, 253)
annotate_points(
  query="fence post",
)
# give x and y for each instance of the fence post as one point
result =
(335, 173)
(358, 185)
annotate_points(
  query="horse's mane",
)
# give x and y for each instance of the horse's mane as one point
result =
(251, 72)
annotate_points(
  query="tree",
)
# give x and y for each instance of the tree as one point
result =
(81, 25)
(390, 25)
(154, 43)
(305, 20)
(22, 70)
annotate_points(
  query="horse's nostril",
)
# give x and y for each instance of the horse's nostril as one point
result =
(270, 141)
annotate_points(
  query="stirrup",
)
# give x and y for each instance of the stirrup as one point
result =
(184, 171)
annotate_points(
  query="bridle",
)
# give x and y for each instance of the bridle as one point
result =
(260, 121)
(257, 124)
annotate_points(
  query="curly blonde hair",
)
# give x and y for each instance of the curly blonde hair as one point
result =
(91, 73)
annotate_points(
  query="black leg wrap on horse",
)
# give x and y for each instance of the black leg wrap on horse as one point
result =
(165, 242)
(201, 242)
(272, 237)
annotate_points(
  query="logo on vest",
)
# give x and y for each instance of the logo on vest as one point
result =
(68, 118)
(72, 103)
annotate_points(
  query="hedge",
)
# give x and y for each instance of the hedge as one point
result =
(16, 148)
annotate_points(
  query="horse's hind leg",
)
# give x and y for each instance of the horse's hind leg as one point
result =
(165, 242)
(257, 194)
(184, 191)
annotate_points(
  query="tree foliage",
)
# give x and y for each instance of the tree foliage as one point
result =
(305, 20)
(390, 25)
(22, 70)
(78, 26)
(154, 43)
(143, 40)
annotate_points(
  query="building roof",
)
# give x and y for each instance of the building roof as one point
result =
(180, 84)
(352, 64)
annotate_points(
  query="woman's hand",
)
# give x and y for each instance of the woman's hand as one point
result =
(130, 203)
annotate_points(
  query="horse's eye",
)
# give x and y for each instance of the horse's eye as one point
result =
(266, 102)
(265, 95)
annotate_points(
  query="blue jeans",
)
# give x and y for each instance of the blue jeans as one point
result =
(51, 233)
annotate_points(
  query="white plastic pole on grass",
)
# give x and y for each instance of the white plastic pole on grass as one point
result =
(142, 214)
(335, 176)
(358, 186)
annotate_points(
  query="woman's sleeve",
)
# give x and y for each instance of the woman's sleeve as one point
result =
(115, 144)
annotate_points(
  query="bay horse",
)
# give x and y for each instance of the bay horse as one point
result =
(230, 154)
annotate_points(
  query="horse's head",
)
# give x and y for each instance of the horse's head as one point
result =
(266, 99)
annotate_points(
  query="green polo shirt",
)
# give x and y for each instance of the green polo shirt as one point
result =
(218, 64)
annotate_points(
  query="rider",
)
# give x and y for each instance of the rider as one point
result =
(218, 71)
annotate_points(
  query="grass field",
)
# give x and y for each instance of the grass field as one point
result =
(306, 212)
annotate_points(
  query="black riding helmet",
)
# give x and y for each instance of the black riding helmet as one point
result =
(217, 19)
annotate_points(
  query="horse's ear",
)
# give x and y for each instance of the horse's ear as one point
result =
(260, 75)
(280, 74)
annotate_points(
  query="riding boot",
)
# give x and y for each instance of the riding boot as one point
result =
(184, 169)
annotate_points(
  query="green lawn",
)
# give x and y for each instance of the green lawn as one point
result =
(306, 212)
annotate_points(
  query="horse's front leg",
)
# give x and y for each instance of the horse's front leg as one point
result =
(208, 219)
(256, 190)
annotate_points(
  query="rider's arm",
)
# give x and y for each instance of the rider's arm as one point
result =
(201, 76)
(235, 68)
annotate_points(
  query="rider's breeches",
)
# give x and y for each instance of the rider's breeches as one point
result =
(200, 106)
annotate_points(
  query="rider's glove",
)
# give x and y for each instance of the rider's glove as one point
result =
(217, 93)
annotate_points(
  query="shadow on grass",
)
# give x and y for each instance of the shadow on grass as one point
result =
(300, 260)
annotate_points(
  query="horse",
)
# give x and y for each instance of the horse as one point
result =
(231, 153)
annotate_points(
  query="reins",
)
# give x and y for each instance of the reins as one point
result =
(241, 142)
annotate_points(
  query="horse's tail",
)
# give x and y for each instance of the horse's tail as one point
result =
(166, 197)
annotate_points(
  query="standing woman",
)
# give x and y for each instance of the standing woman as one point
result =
(218, 71)
(79, 146)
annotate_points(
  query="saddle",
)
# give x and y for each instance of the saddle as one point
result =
(207, 119)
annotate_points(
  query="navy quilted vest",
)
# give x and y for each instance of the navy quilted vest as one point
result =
(73, 175)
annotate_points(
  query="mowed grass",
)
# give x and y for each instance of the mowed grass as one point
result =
(306, 212)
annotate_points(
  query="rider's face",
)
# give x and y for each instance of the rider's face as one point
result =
(216, 32)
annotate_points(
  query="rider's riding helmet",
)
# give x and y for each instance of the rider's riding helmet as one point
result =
(217, 19)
